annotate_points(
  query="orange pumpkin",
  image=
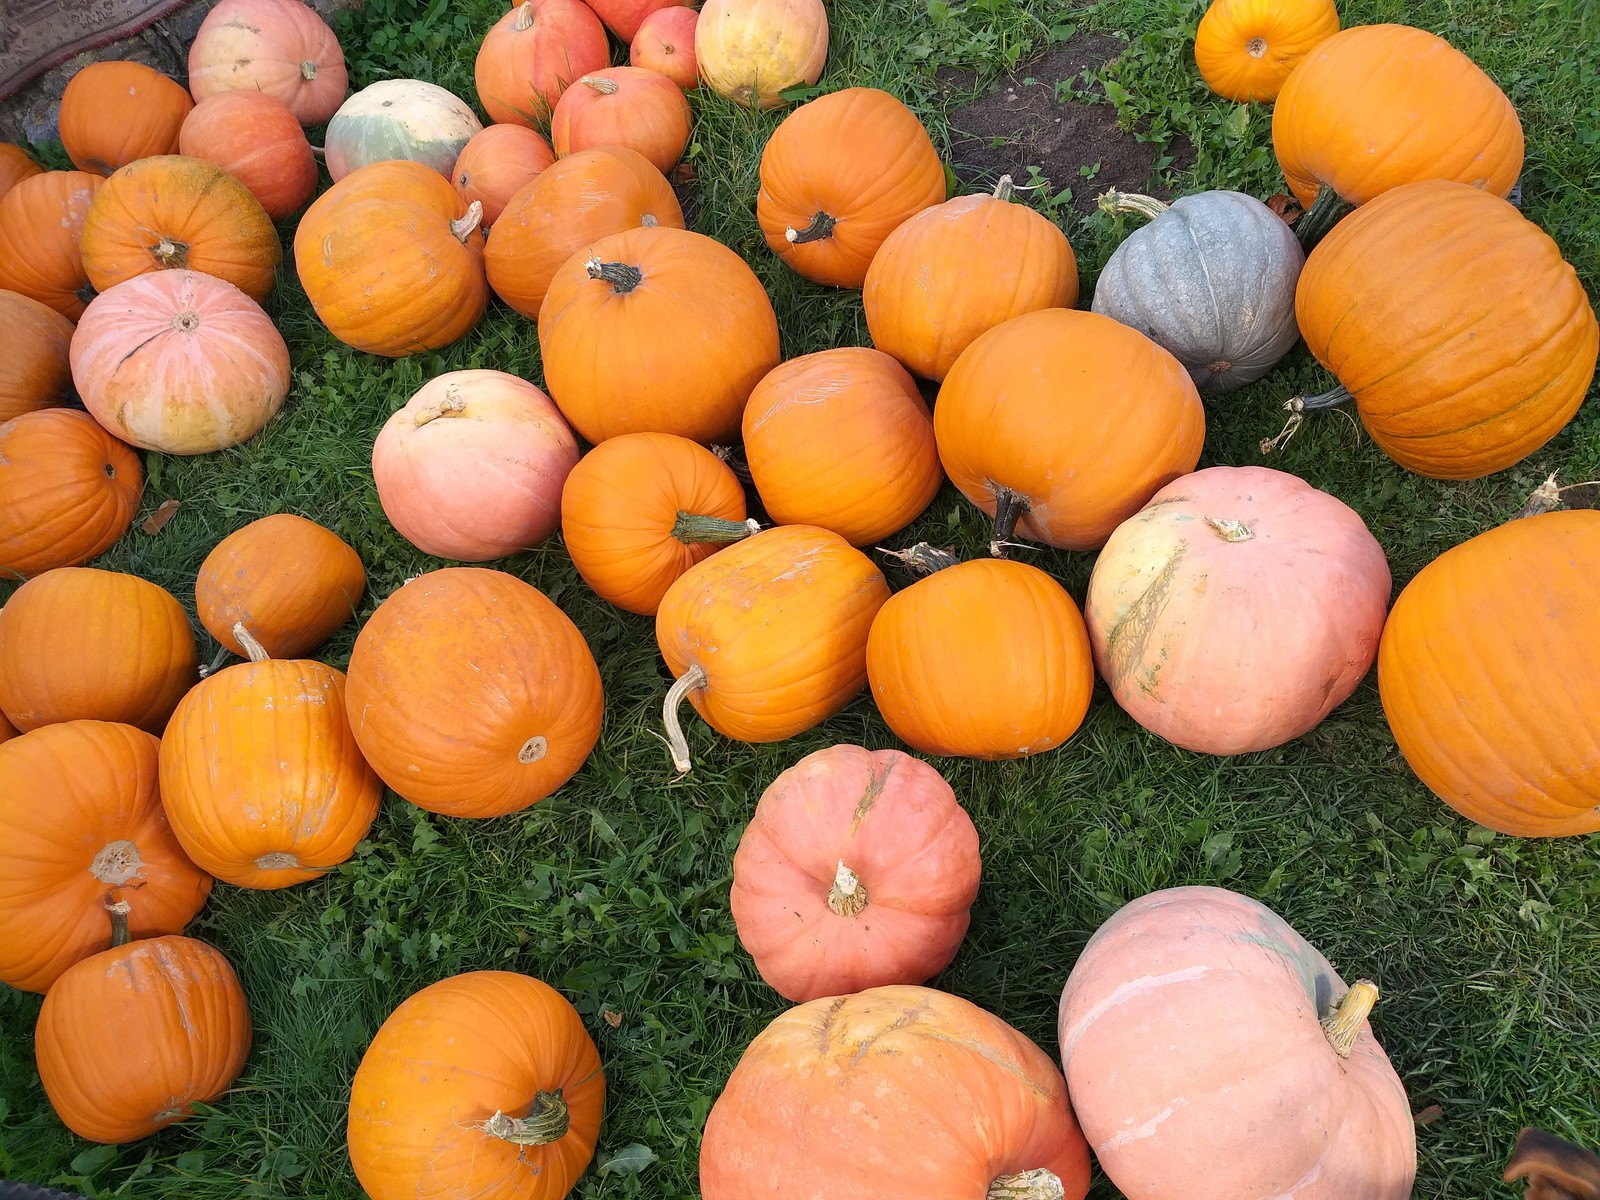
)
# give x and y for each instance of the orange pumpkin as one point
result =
(623, 106)
(656, 330)
(530, 56)
(68, 491)
(34, 371)
(391, 258)
(769, 637)
(113, 113)
(509, 666)
(1448, 388)
(84, 826)
(279, 48)
(752, 51)
(664, 42)
(7, 729)
(41, 222)
(1061, 424)
(497, 164)
(176, 213)
(79, 643)
(485, 1085)
(581, 199)
(842, 439)
(258, 141)
(15, 166)
(289, 582)
(839, 176)
(641, 509)
(1245, 49)
(128, 1039)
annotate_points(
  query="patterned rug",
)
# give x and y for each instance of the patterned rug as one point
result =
(36, 35)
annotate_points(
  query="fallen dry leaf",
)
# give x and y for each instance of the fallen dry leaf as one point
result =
(157, 521)
(613, 1019)
(1285, 206)
(1429, 1115)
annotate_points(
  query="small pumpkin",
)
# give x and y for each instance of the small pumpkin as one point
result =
(84, 825)
(289, 581)
(78, 643)
(1211, 279)
(641, 509)
(68, 491)
(569, 206)
(498, 163)
(129, 1038)
(15, 166)
(472, 694)
(665, 43)
(1062, 424)
(752, 51)
(768, 637)
(532, 54)
(254, 138)
(34, 371)
(180, 362)
(281, 48)
(391, 258)
(907, 1057)
(656, 330)
(958, 269)
(842, 439)
(114, 112)
(1245, 49)
(625, 17)
(484, 1084)
(472, 467)
(41, 223)
(398, 119)
(1194, 1019)
(623, 106)
(857, 870)
(838, 176)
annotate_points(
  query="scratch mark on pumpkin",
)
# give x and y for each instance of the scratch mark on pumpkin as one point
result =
(1142, 986)
(875, 787)
(1126, 641)
(1304, 1181)
(1139, 1132)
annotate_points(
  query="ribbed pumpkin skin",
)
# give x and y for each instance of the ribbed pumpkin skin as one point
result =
(752, 52)
(665, 42)
(1377, 106)
(84, 822)
(257, 140)
(7, 729)
(68, 491)
(449, 1058)
(890, 820)
(78, 643)
(1082, 417)
(129, 1038)
(1489, 672)
(281, 48)
(532, 54)
(34, 372)
(842, 439)
(497, 164)
(581, 199)
(958, 269)
(1245, 49)
(388, 261)
(1447, 387)
(41, 223)
(115, 112)
(861, 157)
(778, 623)
(623, 106)
(1189, 1024)
(790, 1121)
(679, 352)
(509, 665)
(289, 581)
(404, 120)
(15, 166)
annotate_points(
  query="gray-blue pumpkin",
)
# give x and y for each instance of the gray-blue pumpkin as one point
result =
(1211, 278)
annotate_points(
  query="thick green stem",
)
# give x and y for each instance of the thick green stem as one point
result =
(693, 527)
(1029, 1185)
(1326, 211)
(1131, 202)
(622, 277)
(546, 1122)
(1008, 509)
(119, 910)
(692, 680)
(1343, 1024)
(847, 896)
(821, 227)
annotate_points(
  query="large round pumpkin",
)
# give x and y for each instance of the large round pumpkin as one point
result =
(391, 258)
(1194, 1020)
(176, 213)
(623, 106)
(254, 138)
(1245, 49)
(41, 224)
(34, 371)
(839, 176)
(624, 17)
(281, 48)
(768, 637)
(1284, 576)
(180, 362)
(656, 330)
(1062, 424)
(399, 119)
(752, 51)
(568, 207)
(1489, 672)
(472, 694)
(665, 42)
(472, 467)
(1448, 386)
(15, 166)
(641, 509)
(497, 164)
(68, 491)
(532, 54)
(290, 582)
(84, 825)
(114, 112)
(484, 1084)
(842, 439)
(837, 1097)
(78, 643)
(857, 870)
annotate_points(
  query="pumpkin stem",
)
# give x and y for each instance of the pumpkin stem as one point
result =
(169, 254)
(821, 227)
(448, 407)
(1230, 530)
(1297, 407)
(117, 863)
(1547, 496)
(463, 228)
(1008, 508)
(693, 527)
(546, 1122)
(308, 70)
(524, 19)
(253, 650)
(1005, 189)
(847, 896)
(622, 277)
(1326, 211)
(691, 680)
(119, 910)
(1342, 1025)
(606, 87)
(1042, 1184)
(923, 558)
(1256, 47)
(1115, 202)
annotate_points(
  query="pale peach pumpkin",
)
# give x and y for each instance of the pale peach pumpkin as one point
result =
(281, 48)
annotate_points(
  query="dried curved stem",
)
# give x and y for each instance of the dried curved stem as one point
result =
(463, 228)
(546, 1122)
(622, 277)
(691, 680)
(1297, 407)
(253, 650)
(1131, 202)
(1041, 1184)
(821, 227)
(1343, 1024)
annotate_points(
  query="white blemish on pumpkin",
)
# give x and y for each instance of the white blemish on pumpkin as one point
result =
(1139, 1132)
(1304, 1181)
(1142, 986)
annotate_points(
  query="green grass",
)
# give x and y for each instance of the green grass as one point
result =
(615, 890)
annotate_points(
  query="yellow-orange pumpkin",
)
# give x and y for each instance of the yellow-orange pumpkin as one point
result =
(752, 51)
(34, 371)
(1245, 49)
(41, 223)
(115, 112)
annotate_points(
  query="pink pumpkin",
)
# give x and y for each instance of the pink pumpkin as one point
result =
(280, 47)
(857, 870)
(623, 106)
(1211, 1053)
(1237, 609)
(472, 467)
(497, 164)
(180, 362)
(254, 138)
(665, 44)
(625, 17)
